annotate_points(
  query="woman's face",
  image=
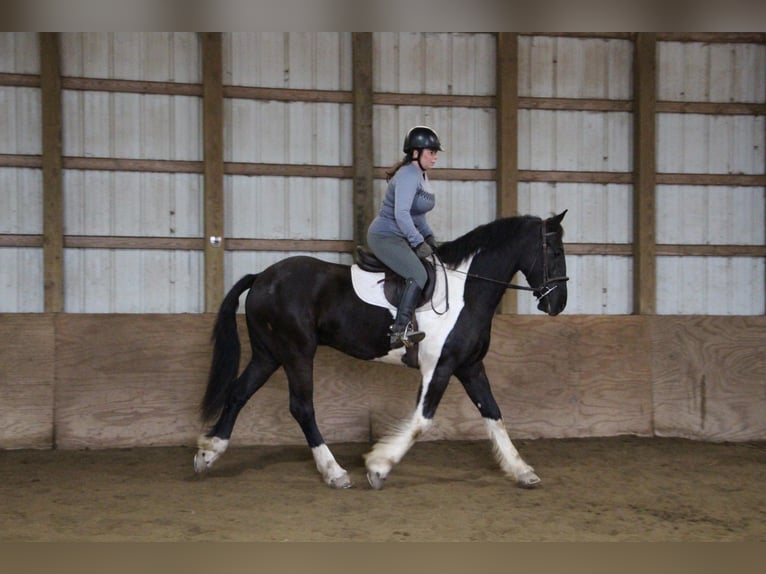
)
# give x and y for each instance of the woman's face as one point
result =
(428, 158)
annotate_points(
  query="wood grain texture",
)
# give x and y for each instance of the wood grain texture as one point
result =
(709, 377)
(571, 376)
(26, 380)
(98, 381)
(129, 380)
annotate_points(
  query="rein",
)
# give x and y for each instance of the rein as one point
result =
(548, 285)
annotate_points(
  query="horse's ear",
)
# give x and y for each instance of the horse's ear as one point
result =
(555, 221)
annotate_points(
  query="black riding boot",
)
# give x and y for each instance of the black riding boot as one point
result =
(402, 331)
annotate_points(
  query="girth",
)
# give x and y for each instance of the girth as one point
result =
(393, 283)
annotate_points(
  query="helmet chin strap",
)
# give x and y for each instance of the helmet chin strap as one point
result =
(420, 154)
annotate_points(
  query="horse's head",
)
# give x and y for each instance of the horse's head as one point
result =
(548, 272)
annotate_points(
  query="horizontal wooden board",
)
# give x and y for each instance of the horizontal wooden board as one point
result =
(709, 377)
(130, 380)
(26, 380)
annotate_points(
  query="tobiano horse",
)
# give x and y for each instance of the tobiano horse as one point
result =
(301, 302)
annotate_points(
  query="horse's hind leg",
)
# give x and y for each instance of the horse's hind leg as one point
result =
(299, 372)
(214, 443)
(476, 384)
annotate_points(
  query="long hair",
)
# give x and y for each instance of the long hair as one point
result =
(394, 168)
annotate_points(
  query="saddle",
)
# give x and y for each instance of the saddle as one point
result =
(393, 283)
(393, 287)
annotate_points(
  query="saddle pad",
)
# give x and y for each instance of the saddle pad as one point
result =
(369, 288)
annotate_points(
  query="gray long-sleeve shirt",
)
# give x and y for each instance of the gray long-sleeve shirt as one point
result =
(403, 212)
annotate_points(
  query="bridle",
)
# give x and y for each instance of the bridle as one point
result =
(548, 285)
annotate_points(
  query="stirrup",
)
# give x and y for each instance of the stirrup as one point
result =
(406, 338)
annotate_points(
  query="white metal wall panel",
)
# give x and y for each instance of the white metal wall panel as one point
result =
(553, 67)
(307, 133)
(21, 280)
(132, 126)
(709, 144)
(710, 286)
(710, 215)
(697, 72)
(694, 143)
(19, 53)
(21, 201)
(575, 141)
(434, 63)
(133, 281)
(21, 268)
(288, 208)
(297, 60)
(597, 213)
(295, 133)
(146, 56)
(132, 204)
(20, 120)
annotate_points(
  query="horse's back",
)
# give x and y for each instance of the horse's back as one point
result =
(306, 298)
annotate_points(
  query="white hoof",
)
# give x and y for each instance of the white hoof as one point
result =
(376, 479)
(210, 450)
(340, 482)
(528, 479)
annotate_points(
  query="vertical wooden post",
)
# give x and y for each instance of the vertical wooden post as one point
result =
(53, 211)
(363, 146)
(507, 178)
(212, 112)
(645, 169)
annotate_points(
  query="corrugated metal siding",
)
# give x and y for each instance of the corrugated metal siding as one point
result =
(132, 126)
(308, 133)
(21, 268)
(298, 60)
(697, 72)
(709, 144)
(148, 56)
(122, 125)
(551, 67)
(434, 63)
(19, 53)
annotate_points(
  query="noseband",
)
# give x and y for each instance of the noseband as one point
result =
(548, 285)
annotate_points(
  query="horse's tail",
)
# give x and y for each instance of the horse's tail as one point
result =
(226, 351)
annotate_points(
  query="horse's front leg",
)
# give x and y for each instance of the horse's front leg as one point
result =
(476, 384)
(391, 449)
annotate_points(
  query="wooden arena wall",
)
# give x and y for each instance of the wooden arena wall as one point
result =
(100, 381)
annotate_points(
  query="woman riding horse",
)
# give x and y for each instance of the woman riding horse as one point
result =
(400, 236)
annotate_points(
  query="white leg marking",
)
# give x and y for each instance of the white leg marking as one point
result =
(332, 473)
(209, 450)
(508, 457)
(389, 450)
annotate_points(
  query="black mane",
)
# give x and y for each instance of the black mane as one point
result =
(493, 234)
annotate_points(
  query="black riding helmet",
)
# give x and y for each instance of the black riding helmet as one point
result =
(421, 137)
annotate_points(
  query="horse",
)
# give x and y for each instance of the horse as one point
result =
(301, 302)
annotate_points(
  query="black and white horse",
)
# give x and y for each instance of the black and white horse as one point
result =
(301, 302)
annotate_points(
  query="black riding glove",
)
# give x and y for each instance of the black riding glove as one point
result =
(423, 250)
(431, 242)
